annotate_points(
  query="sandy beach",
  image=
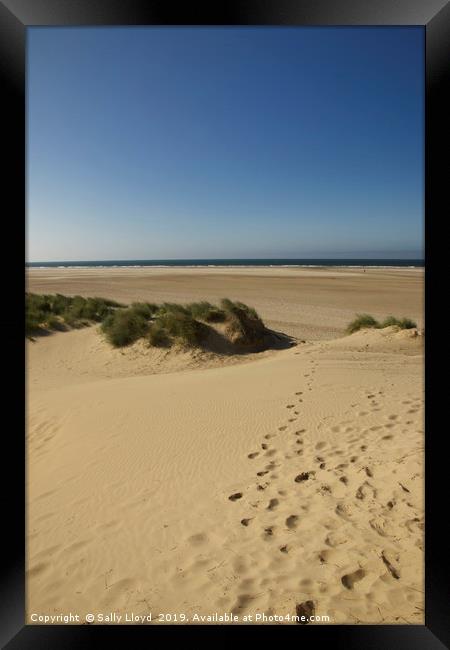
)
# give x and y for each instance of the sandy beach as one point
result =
(133, 455)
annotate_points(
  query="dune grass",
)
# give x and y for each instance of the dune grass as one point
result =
(158, 336)
(362, 321)
(402, 323)
(124, 326)
(244, 325)
(207, 312)
(366, 321)
(169, 323)
(53, 312)
(182, 328)
(162, 325)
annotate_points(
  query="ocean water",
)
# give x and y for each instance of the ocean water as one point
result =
(382, 263)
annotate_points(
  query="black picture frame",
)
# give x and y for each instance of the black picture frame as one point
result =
(15, 17)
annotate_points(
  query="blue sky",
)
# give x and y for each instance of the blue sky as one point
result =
(161, 143)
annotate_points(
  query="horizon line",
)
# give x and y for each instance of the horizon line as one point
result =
(226, 259)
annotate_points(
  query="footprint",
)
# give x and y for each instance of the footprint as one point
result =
(235, 496)
(245, 522)
(363, 491)
(343, 511)
(378, 524)
(199, 538)
(335, 539)
(350, 578)
(292, 521)
(304, 476)
(37, 569)
(304, 611)
(243, 601)
(254, 454)
(273, 503)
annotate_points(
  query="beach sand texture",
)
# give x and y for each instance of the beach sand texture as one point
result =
(133, 455)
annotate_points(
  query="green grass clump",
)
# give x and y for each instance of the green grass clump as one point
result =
(88, 309)
(402, 323)
(206, 311)
(37, 312)
(145, 309)
(182, 326)
(172, 308)
(238, 308)
(244, 326)
(158, 336)
(54, 323)
(364, 321)
(59, 304)
(33, 322)
(124, 327)
(54, 311)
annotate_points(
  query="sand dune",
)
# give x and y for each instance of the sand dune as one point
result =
(132, 463)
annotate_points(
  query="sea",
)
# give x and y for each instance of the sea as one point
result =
(319, 262)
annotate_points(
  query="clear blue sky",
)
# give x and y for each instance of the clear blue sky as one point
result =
(159, 143)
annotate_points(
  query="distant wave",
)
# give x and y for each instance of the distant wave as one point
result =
(245, 263)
